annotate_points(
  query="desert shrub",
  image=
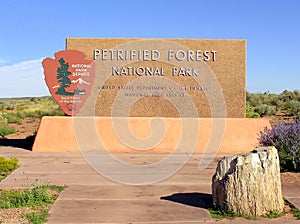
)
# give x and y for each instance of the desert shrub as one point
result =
(54, 112)
(21, 108)
(36, 199)
(286, 138)
(253, 99)
(13, 118)
(5, 129)
(34, 107)
(250, 113)
(265, 110)
(8, 165)
(36, 217)
(295, 107)
(285, 104)
(30, 114)
(30, 197)
(286, 96)
(34, 100)
(43, 112)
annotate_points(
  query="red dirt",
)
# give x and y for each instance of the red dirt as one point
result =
(28, 127)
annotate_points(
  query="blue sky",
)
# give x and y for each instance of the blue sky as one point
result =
(32, 30)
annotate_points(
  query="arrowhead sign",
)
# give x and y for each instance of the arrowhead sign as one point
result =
(69, 78)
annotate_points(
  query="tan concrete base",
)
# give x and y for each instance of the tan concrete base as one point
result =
(72, 134)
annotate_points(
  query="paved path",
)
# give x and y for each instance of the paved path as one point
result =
(92, 198)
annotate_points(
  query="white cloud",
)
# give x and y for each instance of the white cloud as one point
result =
(3, 61)
(23, 79)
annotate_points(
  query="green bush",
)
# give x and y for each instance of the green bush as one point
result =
(7, 166)
(272, 214)
(5, 129)
(265, 110)
(29, 108)
(30, 114)
(36, 217)
(219, 213)
(13, 118)
(30, 197)
(295, 107)
(284, 104)
(250, 113)
(296, 212)
(36, 197)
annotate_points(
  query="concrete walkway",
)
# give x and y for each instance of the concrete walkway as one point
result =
(92, 198)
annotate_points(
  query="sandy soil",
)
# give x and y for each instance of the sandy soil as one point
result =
(28, 127)
(14, 215)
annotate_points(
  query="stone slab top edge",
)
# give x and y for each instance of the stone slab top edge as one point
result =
(175, 118)
(154, 38)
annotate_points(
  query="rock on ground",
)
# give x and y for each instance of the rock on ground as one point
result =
(249, 184)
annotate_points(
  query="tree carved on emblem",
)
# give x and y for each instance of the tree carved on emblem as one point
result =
(62, 78)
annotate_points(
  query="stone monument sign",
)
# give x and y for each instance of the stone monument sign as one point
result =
(130, 94)
(149, 78)
(165, 77)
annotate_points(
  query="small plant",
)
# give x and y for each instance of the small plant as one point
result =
(7, 166)
(37, 197)
(283, 105)
(36, 217)
(286, 138)
(251, 217)
(5, 129)
(250, 113)
(17, 109)
(272, 214)
(296, 212)
(265, 110)
(219, 213)
(30, 197)
(13, 118)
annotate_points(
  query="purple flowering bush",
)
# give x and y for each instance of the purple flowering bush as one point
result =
(286, 138)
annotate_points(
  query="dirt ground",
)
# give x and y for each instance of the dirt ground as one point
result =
(28, 127)
(14, 215)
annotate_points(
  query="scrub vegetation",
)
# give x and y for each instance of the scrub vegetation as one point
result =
(17, 114)
(34, 203)
(15, 110)
(285, 105)
(7, 166)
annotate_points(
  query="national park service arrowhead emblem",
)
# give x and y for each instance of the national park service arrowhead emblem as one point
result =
(69, 77)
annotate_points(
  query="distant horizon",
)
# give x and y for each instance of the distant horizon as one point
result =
(28, 97)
